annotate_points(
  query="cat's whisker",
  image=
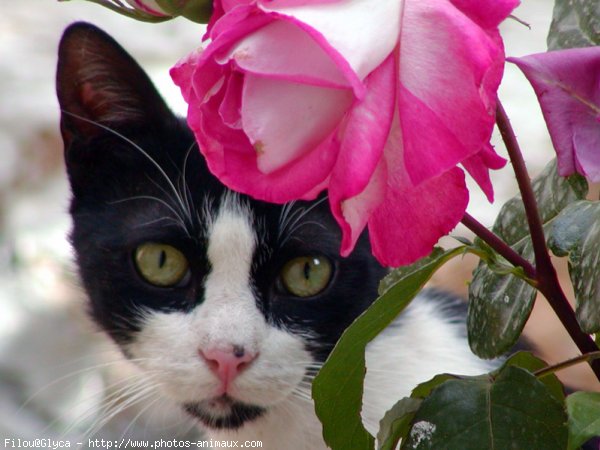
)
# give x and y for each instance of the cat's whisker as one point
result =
(306, 223)
(82, 418)
(154, 222)
(284, 217)
(122, 399)
(186, 193)
(138, 415)
(133, 400)
(184, 212)
(71, 375)
(178, 217)
(134, 145)
(113, 397)
(290, 228)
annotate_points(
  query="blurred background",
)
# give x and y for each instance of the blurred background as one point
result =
(57, 372)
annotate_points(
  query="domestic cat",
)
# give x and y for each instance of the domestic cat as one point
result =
(229, 305)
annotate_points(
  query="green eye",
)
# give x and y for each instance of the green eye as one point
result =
(306, 276)
(161, 264)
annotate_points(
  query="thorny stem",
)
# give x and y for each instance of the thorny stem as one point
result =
(546, 277)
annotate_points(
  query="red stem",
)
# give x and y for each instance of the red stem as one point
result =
(546, 277)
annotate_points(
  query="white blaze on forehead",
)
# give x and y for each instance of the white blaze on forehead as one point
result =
(229, 311)
(232, 242)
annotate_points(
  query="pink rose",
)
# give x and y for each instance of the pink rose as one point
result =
(567, 84)
(377, 101)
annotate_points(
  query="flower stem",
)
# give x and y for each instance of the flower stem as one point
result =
(499, 245)
(546, 277)
(586, 357)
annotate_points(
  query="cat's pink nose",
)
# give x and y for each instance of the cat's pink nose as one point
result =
(227, 364)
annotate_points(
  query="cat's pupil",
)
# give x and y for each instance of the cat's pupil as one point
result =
(162, 259)
(307, 270)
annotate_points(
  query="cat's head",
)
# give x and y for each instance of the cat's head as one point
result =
(227, 303)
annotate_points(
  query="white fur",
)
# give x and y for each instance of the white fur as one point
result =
(420, 344)
(415, 348)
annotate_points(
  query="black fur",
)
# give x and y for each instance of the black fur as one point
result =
(238, 413)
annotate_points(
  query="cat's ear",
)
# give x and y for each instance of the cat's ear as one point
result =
(100, 86)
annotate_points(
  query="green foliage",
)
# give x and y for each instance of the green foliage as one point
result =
(424, 389)
(396, 423)
(338, 388)
(500, 302)
(584, 417)
(528, 361)
(507, 409)
(575, 23)
(399, 274)
(198, 11)
(576, 233)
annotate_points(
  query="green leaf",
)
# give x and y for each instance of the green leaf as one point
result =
(575, 23)
(584, 417)
(397, 275)
(499, 306)
(499, 302)
(527, 361)
(396, 423)
(576, 233)
(511, 411)
(424, 389)
(338, 388)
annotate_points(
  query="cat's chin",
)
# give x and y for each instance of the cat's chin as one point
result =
(224, 412)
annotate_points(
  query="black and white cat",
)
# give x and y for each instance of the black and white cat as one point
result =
(227, 304)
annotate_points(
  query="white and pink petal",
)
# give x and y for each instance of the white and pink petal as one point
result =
(363, 32)
(285, 121)
(452, 68)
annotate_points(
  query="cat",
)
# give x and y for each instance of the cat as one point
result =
(227, 304)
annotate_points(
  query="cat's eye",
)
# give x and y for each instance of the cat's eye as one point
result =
(306, 276)
(160, 264)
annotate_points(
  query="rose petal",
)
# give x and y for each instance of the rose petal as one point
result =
(232, 159)
(231, 106)
(487, 14)
(183, 72)
(454, 106)
(378, 22)
(478, 167)
(567, 84)
(409, 222)
(356, 188)
(354, 213)
(286, 120)
(586, 141)
(267, 52)
(234, 25)
(304, 180)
